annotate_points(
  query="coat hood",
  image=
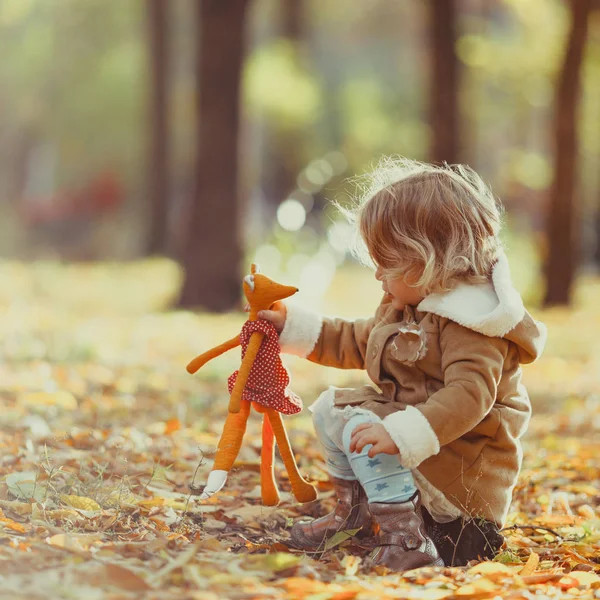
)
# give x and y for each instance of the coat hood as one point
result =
(494, 309)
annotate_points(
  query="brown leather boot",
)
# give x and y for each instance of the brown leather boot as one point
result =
(403, 544)
(351, 512)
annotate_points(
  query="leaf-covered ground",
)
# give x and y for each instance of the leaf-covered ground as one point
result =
(101, 431)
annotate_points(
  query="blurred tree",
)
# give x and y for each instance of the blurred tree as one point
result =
(443, 81)
(292, 19)
(212, 247)
(284, 142)
(562, 240)
(158, 167)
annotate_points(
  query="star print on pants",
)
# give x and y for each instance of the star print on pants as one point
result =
(381, 486)
(374, 462)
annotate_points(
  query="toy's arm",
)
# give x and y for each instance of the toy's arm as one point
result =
(244, 371)
(202, 359)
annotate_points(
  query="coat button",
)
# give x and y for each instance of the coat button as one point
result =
(375, 350)
(411, 542)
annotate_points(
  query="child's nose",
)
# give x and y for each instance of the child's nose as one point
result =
(379, 274)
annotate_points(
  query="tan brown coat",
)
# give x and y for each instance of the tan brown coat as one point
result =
(449, 394)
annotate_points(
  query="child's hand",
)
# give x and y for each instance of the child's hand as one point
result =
(276, 315)
(372, 433)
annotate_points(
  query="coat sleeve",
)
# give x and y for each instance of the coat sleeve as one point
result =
(331, 342)
(472, 364)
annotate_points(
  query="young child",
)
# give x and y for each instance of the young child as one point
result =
(433, 453)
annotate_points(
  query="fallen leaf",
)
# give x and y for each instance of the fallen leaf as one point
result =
(481, 588)
(278, 561)
(491, 570)
(21, 508)
(61, 399)
(12, 525)
(125, 579)
(80, 502)
(25, 486)
(74, 542)
(351, 563)
(172, 425)
(532, 564)
(339, 538)
(585, 578)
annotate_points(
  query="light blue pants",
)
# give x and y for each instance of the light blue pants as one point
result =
(383, 478)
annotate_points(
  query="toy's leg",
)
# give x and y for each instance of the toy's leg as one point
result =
(303, 491)
(270, 495)
(227, 450)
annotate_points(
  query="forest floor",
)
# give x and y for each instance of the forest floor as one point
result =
(102, 430)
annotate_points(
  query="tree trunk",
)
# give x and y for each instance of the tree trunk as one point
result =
(292, 19)
(444, 84)
(597, 248)
(562, 238)
(158, 167)
(212, 248)
(283, 158)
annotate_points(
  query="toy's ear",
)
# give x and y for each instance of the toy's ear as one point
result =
(254, 269)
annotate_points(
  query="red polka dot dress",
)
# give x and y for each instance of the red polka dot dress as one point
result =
(268, 380)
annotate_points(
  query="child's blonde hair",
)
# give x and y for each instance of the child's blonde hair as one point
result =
(434, 226)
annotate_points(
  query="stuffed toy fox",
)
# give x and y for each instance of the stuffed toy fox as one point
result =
(261, 382)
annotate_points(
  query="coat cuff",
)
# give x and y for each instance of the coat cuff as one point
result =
(413, 435)
(301, 331)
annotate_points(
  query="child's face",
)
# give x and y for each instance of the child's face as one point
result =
(401, 293)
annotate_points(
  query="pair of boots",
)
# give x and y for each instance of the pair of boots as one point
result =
(403, 543)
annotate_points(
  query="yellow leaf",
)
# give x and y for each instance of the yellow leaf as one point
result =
(21, 508)
(492, 570)
(10, 524)
(480, 588)
(61, 399)
(279, 561)
(532, 563)
(556, 520)
(585, 510)
(351, 564)
(74, 542)
(585, 578)
(151, 502)
(120, 498)
(80, 502)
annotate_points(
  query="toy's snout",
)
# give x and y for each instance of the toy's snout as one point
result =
(287, 291)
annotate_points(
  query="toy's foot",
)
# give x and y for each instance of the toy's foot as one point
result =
(270, 496)
(216, 480)
(303, 491)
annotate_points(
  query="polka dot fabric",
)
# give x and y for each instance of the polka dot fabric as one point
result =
(268, 381)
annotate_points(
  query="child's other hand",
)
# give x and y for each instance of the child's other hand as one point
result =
(372, 433)
(276, 315)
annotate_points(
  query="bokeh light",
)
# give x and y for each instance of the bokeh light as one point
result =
(291, 215)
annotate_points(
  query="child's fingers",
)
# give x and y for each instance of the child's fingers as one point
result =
(352, 447)
(247, 307)
(360, 427)
(374, 450)
(356, 433)
(269, 315)
(364, 439)
(355, 445)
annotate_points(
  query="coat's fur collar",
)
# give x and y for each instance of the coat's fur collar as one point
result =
(492, 309)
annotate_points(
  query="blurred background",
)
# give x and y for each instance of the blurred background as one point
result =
(150, 150)
(164, 145)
